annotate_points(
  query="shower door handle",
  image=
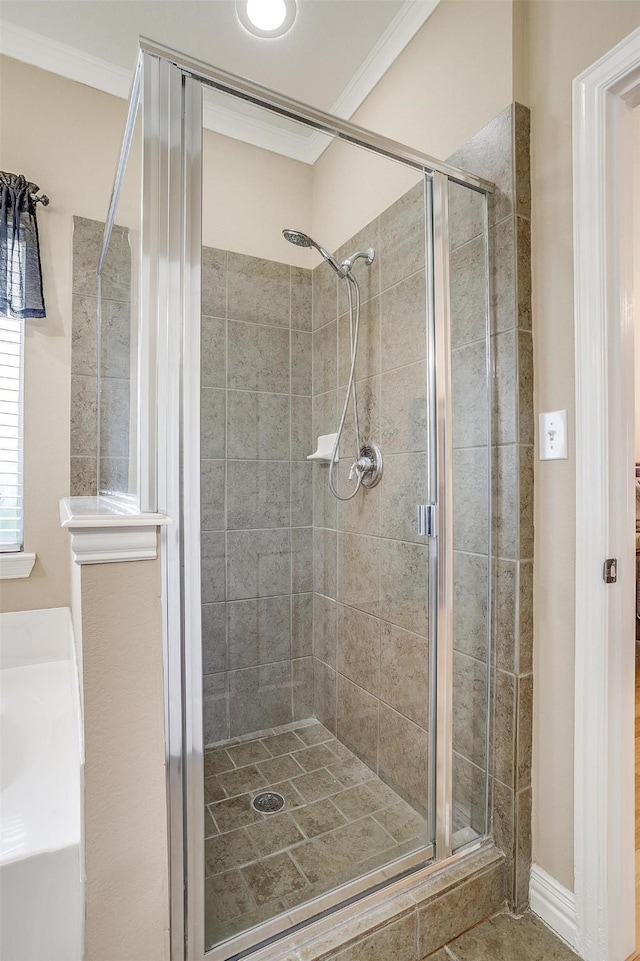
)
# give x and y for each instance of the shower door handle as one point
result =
(427, 520)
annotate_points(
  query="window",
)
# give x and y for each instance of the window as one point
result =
(11, 433)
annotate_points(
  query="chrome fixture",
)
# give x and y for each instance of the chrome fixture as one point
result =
(367, 467)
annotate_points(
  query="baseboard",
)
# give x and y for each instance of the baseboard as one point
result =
(554, 904)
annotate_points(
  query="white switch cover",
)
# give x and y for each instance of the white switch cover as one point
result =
(553, 435)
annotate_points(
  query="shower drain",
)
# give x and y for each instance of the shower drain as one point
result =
(268, 802)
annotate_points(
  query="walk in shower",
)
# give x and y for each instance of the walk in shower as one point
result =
(316, 422)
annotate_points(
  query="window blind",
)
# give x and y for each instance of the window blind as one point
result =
(11, 433)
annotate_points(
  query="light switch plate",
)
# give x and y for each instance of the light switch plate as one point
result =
(553, 435)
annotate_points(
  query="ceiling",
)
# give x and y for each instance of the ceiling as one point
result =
(331, 59)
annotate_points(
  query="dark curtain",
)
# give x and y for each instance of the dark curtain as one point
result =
(21, 294)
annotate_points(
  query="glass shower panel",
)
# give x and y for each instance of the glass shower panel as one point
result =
(470, 395)
(118, 330)
(315, 621)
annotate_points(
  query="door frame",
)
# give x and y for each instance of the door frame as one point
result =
(605, 505)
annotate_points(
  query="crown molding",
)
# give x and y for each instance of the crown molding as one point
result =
(104, 530)
(73, 64)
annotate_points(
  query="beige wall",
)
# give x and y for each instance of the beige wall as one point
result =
(66, 137)
(127, 916)
(636, 268)
(565, 37)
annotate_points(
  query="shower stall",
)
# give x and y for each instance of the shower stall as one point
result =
(317, 424)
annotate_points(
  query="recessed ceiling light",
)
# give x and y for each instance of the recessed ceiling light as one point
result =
(266, 18)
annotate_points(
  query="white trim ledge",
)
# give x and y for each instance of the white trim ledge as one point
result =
(16, 564)
(105, 530)
(554, 904)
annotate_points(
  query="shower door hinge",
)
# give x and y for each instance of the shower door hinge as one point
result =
(427, 520)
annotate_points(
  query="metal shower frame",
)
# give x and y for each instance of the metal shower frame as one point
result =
(168, 86)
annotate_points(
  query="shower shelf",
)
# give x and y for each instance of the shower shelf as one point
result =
(326, 444)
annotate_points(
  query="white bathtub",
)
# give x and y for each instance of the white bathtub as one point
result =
(41, 870)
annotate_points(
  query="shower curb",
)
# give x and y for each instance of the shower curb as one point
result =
(410, 918)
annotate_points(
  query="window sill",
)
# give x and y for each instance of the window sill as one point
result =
(15, 565)
(105, 530)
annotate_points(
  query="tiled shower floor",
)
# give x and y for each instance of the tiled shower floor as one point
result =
(339, 821)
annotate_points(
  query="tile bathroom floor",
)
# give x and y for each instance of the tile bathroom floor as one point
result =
(339, 821)
(506, 938)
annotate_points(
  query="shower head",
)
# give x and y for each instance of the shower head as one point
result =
(303, 240)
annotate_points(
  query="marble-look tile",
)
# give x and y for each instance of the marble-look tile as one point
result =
(241, 781)
(325, 505)
(368, 276)
(358, 646)
(368, 394)
(404, 585)
(325, 612)
(358, 801)
(314, 785)
(368, 356)
(468, 795)
(301, 494)
(463, 906)
(404, 486)
(274, 834)
(466, 214)
(523, 848)
(280, 768)
(258, 291)
(212, 424)
(403, 410)
(505, 728)
(404, 672)
(325, 295)
(217, 761)
(214, 282)
(402, 822)
(324, 695)
(283, 743)
(357, 721)
(325, 562)
(402, 237)
(301, 559)
(212, 566)
(525, 388)
(301, 298)
(470, 500)
(257, 494)
(523, 266)
(228, 851)
(114, 475)
(213, 352)
(393, 942)
(318, 818)
(84, 419)
(504, 426)
(234, 813)
(404, 322)
(258, 631)
(87, 244)
(323, 858)
(524, 731)
(468, 269)
(258, 564)
(302, 440)
(525, 640)
(505, 630)
(83, 477)
(522, 141)
(257, 426)
(325, 413)
(212, 495)
(525, 463)
(301, 357)
(470, 708)
(259, 697)
(213, 791)
(215, 707)
(315, 757)
(503, 827)
(115, 410)
(214, 638)
(84, 355)
(301, 625)
(403, 757)
(258, 358)
(504, 937)
(325, 358)
(503, 277)
(470, 585)
(361, 514)
(302, 681)
(506, 501)
(226, 896)
(489, 154)
(359, 572)
(470, 395)
(117, 324)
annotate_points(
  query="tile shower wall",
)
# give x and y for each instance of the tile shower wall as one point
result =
(500, 152)
(370, 568)
(115, 359)
(256, 494)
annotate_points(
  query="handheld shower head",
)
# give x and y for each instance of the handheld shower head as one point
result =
(303, 240)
